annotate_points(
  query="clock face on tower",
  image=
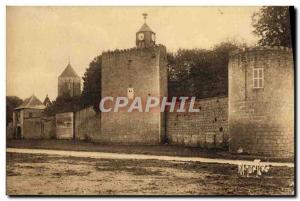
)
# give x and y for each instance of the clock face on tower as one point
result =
(153, 37)
(141, 36)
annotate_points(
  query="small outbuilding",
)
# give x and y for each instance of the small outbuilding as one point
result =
(27, 119)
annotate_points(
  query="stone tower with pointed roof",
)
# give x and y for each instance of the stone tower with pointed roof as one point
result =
(137, 72)
(69, 82)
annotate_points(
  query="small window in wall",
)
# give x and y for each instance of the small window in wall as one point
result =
(258, 78)
(130, 93)
(30, 115)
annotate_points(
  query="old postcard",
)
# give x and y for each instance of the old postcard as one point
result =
(146, 101)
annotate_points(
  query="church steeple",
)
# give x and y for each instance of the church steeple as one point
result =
(69, 82)
(145, 37)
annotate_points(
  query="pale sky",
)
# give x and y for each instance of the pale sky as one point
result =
(41, 39)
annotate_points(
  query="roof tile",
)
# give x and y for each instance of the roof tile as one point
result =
(69, 72)
(31, 103)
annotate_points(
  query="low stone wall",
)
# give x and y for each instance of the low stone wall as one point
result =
(65, 125)
(48, 128)
(87, 124)
(207, 128)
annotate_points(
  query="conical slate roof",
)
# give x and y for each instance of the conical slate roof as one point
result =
(69, 72)
(145, 27)
(31, 103)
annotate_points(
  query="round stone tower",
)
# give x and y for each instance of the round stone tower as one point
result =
(261, 101)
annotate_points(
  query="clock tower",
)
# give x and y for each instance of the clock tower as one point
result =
(138, 72)
(145, 37)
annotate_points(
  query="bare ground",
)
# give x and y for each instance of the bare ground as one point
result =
(31, 174)
(158, 150)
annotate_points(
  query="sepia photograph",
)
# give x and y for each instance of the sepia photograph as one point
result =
(150, 101)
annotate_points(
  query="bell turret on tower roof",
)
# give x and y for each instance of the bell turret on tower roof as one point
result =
(145, 37)
(145, 27)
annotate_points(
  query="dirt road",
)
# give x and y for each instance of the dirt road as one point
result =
(58, 174)
(157, 150)
(102, 155)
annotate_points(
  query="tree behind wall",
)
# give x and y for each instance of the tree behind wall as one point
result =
(64, 103)
(91, 94)
(200, 72)
(11, 103)
(272, 25)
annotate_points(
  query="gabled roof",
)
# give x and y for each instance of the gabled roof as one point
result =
(69, 72)
(47, 101)
(31, 103)
(145, 27)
